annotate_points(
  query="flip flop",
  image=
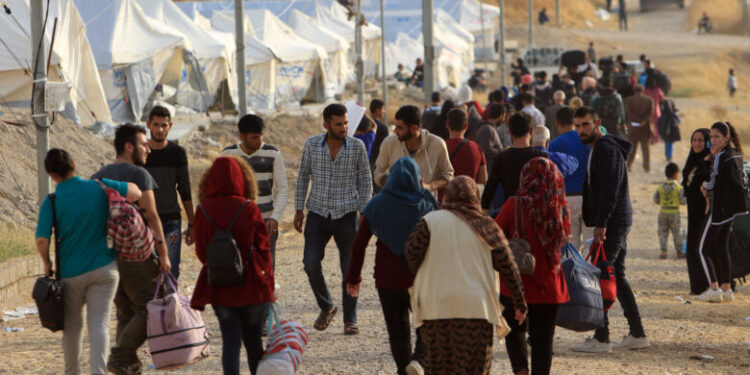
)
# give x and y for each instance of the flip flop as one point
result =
(351, 328)
(324, 319)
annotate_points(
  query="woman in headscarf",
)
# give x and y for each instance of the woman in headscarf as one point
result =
(227, 190)
(546, 221)
(391, 215)
(455, 253)
(696, 171)
(725, 190)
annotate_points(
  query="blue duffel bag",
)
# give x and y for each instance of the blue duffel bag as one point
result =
(584, 311)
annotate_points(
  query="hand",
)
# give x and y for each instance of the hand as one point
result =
(299, 219)
(273, 227)
(704, 191)
(708, 206)
(352, 289)
(427, 186)
(189, 235)
(520, 316)
(48, 268)
(600, 234)
(164, 264)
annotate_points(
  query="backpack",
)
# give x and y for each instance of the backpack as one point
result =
(662, 80)
(127, 233)
(668, 124)
(224, 263)
(610, 108)
(622, 85)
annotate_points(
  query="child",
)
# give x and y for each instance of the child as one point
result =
(732, 83)
(366, 132)
(670, 196)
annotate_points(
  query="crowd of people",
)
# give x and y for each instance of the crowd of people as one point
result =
(557, 155)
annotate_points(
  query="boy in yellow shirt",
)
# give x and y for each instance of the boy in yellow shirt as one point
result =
(670, 196)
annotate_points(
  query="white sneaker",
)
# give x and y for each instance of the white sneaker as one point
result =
(592, 345)
(414, 368)
(710, 295)
(630, 342)
(727, 296)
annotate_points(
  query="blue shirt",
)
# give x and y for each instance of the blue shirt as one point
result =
(368, 139)
(569, 143)
(81, 207)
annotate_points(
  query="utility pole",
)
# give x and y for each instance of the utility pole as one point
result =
(501, 42)
(746, 16)
(557, 12)
(358, 46)
(484, 35)
(429, 50)
(382, 56)
(531, 23)
(39, 115)
(239, 38)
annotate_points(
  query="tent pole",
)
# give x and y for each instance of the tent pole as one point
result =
(429, 49)
(382, 57)
(358, 46)
(41, 121)
(501, 42)
(239, 38)
(484, 39)
(531, 24)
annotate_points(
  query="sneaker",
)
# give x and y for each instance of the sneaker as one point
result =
(414, 368)
(711, 295)
(727, 296)
(592, 345)
(630, 342)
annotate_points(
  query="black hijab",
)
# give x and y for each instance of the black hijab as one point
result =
(695, 158)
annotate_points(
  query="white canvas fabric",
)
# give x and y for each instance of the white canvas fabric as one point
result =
(72, 61)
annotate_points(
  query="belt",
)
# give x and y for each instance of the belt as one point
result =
(576, 194)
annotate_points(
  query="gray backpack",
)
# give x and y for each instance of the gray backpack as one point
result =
(224, 263)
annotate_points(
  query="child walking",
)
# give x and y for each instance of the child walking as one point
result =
(670, 196)
(732, 83)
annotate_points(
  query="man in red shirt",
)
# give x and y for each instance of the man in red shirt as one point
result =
(465, 155)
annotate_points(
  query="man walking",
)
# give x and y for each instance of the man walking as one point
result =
(465, 155)
(337, 167)
(486, 133)
(428, 150)
(168, 165)
(606, 207)
(609, 108)
(137, 279)
(638, 111)
(529, 108)
(270, 173)
(550, 114)
(568, 142)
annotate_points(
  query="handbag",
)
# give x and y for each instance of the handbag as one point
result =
(519, 245)
(584, 311)
(607, 277)
(285, 346)
(48, 291)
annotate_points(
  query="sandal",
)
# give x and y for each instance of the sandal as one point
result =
(351, 328)
(324, 318)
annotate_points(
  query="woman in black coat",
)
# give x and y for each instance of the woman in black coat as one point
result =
(696, 171)
(726, 192)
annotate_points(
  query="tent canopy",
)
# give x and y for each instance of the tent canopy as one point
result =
(315, 32)
(289, 45)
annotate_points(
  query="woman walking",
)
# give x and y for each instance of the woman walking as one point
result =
(455, 253)
(726, 193)
(546, 220)
(87, 264)
(228, 190)
(391, 215)
(697, 170)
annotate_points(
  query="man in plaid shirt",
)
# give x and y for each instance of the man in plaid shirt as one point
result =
(338, 167)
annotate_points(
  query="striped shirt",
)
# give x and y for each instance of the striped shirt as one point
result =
(270, 175)
(339, 186)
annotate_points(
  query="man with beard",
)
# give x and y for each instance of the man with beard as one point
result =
(606, 207)
(168, 165)
(428, 150)
(337, 167)
(137, 279)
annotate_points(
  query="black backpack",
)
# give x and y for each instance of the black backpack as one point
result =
(610, 108)
(224, 263)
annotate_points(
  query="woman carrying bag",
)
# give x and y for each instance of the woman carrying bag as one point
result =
(541, 205)
(455, 253)
(87, 264)
(226, 190)
(697, 170)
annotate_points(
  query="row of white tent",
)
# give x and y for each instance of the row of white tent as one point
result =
(120, 55)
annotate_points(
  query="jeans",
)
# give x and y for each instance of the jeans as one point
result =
(668, 150)
(240, 325)
(318, 231)
(95, 289)
(540, 323)
(396, 305)
(615, 246)
(173, 238)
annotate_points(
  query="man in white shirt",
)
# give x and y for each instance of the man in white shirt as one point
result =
(530, 109)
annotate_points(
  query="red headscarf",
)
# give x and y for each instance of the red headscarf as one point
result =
(542, 193)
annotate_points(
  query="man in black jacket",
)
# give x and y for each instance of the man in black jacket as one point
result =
(606, 207)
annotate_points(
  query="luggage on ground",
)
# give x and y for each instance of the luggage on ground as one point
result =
(584, 311)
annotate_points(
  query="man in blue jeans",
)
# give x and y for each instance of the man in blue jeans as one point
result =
(606, 207)
(337, 167)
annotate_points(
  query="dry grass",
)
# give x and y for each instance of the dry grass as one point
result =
(574, 13)
(726, 15)
(16, 241)
(698, 76)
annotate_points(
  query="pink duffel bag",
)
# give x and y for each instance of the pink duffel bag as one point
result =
(177, 335)
(286, 344)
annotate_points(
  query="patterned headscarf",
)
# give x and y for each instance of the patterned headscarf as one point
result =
(462, 199)
(542, 194)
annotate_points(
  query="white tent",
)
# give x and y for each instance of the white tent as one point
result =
(215, 56)
(337, 67)
(335, 18)
(71, 61)
(474, 18)
(140, 59)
